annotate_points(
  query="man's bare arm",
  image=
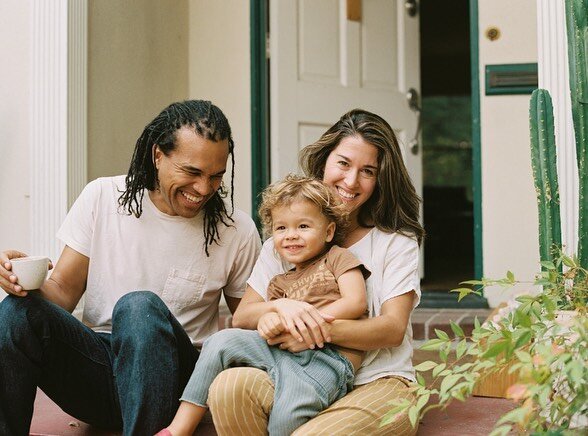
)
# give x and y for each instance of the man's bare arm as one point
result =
(67, 282)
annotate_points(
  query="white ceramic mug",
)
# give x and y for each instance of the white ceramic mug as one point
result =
(30, 271)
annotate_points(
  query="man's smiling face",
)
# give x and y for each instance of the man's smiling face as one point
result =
(190, 175)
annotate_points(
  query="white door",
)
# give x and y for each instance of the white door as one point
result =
(322, 65)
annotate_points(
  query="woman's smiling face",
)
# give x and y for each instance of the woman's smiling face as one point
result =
(352, 170)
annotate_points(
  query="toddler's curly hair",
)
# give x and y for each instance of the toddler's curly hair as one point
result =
(297, 188)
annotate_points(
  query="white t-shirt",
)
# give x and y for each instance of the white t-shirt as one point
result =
(393, 260)
(156, 252)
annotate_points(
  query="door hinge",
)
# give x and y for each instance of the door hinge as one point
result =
(267, 46)
(412, 7)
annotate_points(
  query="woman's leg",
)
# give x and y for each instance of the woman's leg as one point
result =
(240, 400)
(360, 412)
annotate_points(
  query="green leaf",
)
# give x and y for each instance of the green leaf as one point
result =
(421, 380)
(456, 329)
(523, 356)
(442, 335)
(568, 261)
(432, 344)
(413, 414)
(422, 401)
(548, 264)
(576, 370)
(443, 355)
(524, 338)
(476, 323)
(464, 292)
(517, 416)
(461, 348)
(495, 349)
(438, 369)
(510, 276)
(473, 282)
(425, 366)
(503, 430)
(448, 382)
(522, 318)
(391, 415)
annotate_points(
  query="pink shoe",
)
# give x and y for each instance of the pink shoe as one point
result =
(164, 432)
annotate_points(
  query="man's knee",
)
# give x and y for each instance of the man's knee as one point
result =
(137, 305)
(16, 314)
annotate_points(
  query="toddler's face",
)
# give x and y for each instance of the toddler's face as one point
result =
(300, 231)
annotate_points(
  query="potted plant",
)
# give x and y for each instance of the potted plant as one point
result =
(549, 357)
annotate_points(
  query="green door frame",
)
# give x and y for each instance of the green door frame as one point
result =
(260, 151)
(476, 140)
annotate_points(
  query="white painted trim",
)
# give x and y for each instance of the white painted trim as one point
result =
(554, 76)
(58, 116)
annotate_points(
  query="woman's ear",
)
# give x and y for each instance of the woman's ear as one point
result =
(330, 231)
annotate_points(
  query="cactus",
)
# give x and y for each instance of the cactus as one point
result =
(577, 30)
(544, 162)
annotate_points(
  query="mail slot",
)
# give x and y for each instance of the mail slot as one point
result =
(511, 79)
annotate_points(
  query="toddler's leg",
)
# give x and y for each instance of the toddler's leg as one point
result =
(186, 420)
(227, 348)
(305, 384)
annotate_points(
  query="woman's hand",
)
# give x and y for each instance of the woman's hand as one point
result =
(270, 325)
(303, 321)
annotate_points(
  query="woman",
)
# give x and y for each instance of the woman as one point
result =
(359, 157)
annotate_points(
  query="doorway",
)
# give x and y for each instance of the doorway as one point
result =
(448, 203)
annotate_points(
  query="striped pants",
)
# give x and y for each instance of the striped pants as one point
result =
(241, 399)
(306, 382)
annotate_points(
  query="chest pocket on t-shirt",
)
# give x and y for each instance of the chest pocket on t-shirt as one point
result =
(182, 289)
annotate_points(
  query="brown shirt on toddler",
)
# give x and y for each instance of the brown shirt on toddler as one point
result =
(316, 284)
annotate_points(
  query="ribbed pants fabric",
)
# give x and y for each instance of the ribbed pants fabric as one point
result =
(305, 383)
(241, 399)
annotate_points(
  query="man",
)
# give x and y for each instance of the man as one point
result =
(152, 253)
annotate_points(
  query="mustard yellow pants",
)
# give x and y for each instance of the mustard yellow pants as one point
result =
(241, 399)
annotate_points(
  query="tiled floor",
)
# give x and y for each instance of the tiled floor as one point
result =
(475, 417)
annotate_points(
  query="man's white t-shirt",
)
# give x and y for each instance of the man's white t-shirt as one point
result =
(159, 253)
(393, 260)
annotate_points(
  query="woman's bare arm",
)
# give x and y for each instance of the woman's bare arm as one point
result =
(386, 330)
(302, 320)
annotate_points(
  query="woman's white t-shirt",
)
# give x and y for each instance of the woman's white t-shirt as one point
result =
(393, 260)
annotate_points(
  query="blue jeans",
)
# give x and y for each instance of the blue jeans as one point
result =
(305, 383)
(130, 379)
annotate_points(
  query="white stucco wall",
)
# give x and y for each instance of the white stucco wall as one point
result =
(137, 65)
(220, 71)
(509, 208)
(14, 124)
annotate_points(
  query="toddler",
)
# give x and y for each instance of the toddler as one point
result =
(305, 220)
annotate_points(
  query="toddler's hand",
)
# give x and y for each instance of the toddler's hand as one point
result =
(270, 325)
